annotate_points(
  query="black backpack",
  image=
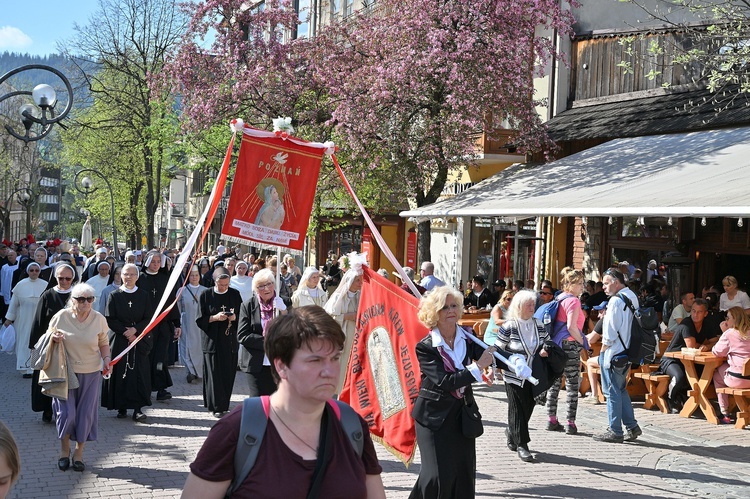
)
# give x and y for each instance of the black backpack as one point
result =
(644, 334)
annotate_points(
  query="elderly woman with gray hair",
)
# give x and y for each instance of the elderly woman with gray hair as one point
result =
(520, 338)
(255, 314)
(84, 333)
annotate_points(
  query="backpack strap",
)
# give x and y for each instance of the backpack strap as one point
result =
(350, 422)
(255, 412)
(252, 429)
(628, 305)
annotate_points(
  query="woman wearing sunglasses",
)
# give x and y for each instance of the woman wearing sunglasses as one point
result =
(51, 302)
(84, 334)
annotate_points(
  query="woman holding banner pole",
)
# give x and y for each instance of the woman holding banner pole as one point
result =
(450, 363)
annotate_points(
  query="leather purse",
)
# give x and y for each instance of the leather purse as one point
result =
(471, 420)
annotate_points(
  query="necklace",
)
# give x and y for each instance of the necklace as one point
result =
(314, 449)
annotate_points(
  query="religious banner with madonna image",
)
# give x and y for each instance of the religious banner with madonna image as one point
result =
(383, 376)
(273, 189)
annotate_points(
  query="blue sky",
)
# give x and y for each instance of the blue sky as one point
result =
(35, 27)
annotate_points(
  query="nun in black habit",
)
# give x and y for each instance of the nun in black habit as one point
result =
(219, 309)
(129, 386)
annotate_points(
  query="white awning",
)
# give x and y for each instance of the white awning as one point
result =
(696, 174)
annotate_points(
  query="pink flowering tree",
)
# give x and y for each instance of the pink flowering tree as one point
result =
(416, 81)
(404, 88)
(252, 69)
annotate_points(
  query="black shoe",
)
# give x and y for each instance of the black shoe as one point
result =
(63, 463)
(139, 416)
(163, 395)
(634, 433)
(608, 436)
(571, 429)
(556, 426)
(512, 446)
(122, 414)
(78, 466)
(525, 455)
(47, 416)
(28, 376)
(218, 414)
(191, 377)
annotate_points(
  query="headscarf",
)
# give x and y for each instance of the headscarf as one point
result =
(354, 261)
(309, 271)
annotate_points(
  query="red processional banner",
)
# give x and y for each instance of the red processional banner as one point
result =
(273, 190)
(383, 376)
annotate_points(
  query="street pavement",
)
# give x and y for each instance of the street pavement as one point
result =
(675, 457)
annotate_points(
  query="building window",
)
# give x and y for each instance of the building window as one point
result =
(335, 9)
(348, 8)
(303, 14)
(48, 182)
(48, 199)
(48, 216)
(656, 227)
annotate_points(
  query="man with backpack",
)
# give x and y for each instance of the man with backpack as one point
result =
(614, 360)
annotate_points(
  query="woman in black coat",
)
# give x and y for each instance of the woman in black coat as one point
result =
(450, 363)
(255, 314)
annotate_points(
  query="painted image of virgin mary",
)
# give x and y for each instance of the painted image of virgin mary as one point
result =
(272, 212)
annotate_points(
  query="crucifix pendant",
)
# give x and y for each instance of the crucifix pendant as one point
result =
(154, 292)
(223, 308)
(130, 304)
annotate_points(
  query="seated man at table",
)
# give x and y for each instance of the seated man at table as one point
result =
(479, 297)
(692, 332)
(681, 311)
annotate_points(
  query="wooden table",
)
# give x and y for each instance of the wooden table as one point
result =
(698, 394)
(468, 320)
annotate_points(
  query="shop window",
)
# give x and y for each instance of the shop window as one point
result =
(650, 227)
(737, 235)
(343, 240)
(709, 229)
(481, 248)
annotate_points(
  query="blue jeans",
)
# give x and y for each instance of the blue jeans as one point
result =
(619, 407)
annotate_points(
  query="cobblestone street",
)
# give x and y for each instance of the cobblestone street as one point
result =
(676, 457)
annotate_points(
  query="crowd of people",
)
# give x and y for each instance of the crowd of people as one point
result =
(292, 338)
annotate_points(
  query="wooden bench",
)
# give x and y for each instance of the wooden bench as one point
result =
(741, 398)
(656, 387)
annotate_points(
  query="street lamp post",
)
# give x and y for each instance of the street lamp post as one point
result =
(42, 112)
(26, 197)
(89, 188)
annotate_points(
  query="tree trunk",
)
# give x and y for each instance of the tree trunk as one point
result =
(424, 237)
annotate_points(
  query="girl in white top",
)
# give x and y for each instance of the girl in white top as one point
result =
(733, 296)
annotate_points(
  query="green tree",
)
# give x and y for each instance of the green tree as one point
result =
(117, 52)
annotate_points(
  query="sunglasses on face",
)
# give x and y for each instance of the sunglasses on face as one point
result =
(33, 270)
(81, 299)
(64, 278)
(544, 293)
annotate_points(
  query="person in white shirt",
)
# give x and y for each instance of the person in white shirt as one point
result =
(428, 280)
(614, 361)
(733, 296)
(681, 311)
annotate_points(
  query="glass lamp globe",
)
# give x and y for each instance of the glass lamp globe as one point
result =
(44, 95)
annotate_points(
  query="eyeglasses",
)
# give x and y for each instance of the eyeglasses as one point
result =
(81, 299)
(544, 293)
(32, 270)
(64, 278)
(264, 286)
